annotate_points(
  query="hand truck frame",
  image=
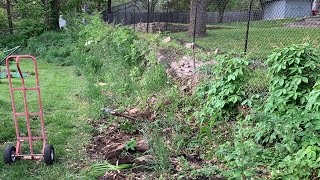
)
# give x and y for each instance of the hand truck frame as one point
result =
(11, 153)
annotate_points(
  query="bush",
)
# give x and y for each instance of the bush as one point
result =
(51, 46)
(294, 70)
(281, 139)
(222, 94)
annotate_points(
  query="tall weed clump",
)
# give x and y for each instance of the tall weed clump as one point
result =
(116, 56)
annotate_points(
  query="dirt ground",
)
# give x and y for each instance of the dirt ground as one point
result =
(309, 22)
(184, 69)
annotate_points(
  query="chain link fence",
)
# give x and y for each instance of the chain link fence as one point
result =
(255, 27)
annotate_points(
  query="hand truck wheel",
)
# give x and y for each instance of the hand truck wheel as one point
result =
(48, 154)
(9, 154)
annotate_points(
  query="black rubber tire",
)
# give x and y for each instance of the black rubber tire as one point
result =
(48, 154)
(8, 152)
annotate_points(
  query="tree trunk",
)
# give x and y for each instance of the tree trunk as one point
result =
(198, 17)
(55, 12)
(222, 4)
(9, 15)
(220, 16)
(109, 11)
(99, 5)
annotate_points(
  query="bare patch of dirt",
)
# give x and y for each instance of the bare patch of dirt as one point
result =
(309, 22)
(110, 144)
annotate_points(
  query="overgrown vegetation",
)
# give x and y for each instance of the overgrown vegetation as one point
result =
(280, 140)
(243, 122)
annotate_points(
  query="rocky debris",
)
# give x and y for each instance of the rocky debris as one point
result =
(142, 145)
(119, 175)
(166, 40)
(183, 71)
(134, 111)
(161, 58)
(308, 22)
(217, 51)
(109, 144)
(155, 27)
(143, 159)
(115, 152)
(102, 84)
(189, 45)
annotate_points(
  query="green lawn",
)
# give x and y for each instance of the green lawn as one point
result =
(264, 36)
(65, 119)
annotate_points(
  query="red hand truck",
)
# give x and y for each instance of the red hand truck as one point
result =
(12, 153)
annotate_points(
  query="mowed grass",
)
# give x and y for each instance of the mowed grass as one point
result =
(65, 122)
(264, 36)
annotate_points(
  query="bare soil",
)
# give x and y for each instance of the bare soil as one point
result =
(309, 22)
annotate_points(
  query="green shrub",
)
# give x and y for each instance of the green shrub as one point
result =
(282, 137)
(294, 70)
(222, 94)
(52, 46)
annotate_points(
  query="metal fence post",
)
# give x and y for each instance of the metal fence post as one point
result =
(134, 16)
(125, 14)
(248, 27)
(167, 17)
(148, 16)
(194, 38)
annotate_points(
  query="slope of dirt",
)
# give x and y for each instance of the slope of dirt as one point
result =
(182, 68)
(110, 140)
(309, 22)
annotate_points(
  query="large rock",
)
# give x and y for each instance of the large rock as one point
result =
(142, 145)
(166, 40)
(116, 152)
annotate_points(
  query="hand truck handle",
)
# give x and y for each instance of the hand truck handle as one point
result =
(18, 65)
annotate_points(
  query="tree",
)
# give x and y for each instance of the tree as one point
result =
(221, 4)
(152, 4)
(198, 18)
(176, 5)
(109, 6)
(7, 6)
(9, 16)
(55, 13)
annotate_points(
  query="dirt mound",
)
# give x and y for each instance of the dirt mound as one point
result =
(110, 144)
(309, 22)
